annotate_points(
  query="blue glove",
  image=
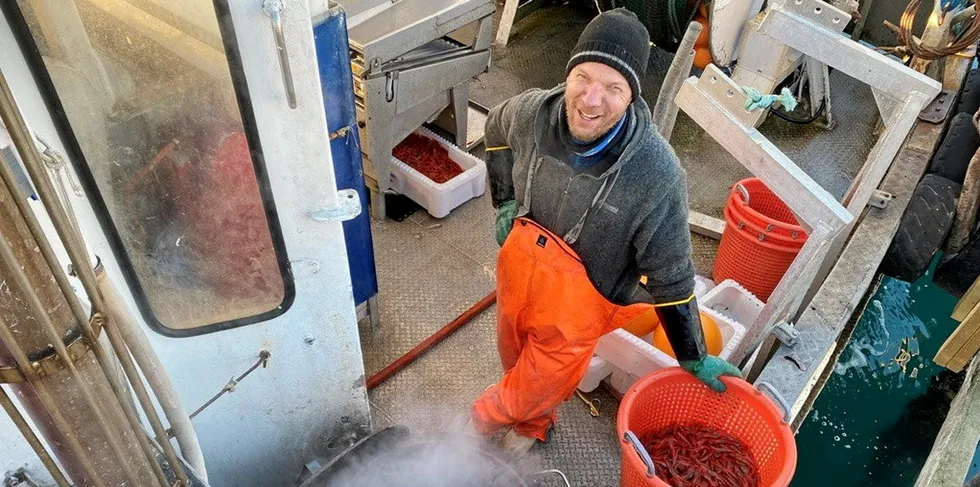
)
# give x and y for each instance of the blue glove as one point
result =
(506, 213)
(709, 368)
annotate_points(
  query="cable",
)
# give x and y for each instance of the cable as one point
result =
(801, 121)
(909, 45)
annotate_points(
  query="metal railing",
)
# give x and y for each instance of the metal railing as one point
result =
(101, 406)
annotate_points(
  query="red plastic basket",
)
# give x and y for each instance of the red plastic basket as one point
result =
(760, 241)
(674, 397)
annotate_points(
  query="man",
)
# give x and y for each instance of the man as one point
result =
(599, 199)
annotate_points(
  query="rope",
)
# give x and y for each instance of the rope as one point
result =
(757, 101)
(909, 45)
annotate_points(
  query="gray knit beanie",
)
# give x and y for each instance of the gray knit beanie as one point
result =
(617, 39)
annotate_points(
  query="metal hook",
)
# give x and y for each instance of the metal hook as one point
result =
(558, 472)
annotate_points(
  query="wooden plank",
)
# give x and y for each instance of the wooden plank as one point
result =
(793, 369)
(665, 110)
(966, 207)
(951, 455)
(957, 66)
(705, 225)
(967, 302)
(965, 354)
(935, 34)
(962, 345)
(862, 19)
(506, 22)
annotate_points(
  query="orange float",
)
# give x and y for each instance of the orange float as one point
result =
(712, 337)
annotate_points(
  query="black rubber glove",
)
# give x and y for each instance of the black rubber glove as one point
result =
(682, 323)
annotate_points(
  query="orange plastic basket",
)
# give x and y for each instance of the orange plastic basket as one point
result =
(760, 241)
(674, 397)
(748, 221)
(758, 204)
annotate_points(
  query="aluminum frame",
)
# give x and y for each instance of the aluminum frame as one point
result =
(805, 28)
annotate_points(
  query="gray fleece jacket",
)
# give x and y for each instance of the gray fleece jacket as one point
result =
(638, 226)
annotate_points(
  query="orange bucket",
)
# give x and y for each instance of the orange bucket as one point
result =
(672, 396)
(761, 239)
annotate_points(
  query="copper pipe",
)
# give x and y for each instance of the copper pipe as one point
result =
(20, 280)
(25, 429)
(7, 177)
(437, 337)
(24, 364)
(73, 301)
(78, 255)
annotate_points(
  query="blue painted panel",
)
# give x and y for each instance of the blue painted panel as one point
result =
(336, 79)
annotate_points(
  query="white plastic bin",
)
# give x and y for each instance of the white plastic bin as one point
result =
(598, 369)
(632, 357)
(440, 199)
(734, 301)
(702, 285)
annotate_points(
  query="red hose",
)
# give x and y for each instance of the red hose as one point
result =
(437, 337)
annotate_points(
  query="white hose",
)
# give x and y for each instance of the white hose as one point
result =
(156, 376)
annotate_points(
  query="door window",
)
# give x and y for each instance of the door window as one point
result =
(153, 104)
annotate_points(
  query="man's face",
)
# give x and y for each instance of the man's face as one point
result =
(596, 97)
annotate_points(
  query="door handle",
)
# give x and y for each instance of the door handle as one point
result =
(274, 9)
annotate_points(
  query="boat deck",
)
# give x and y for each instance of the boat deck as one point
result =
(431, 270)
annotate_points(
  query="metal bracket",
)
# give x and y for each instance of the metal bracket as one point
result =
(348, 207)
(51, 363)
(19, 478)
(880, 199)
(938, 109)
(786, 333)
(727, 94)
(819, 12)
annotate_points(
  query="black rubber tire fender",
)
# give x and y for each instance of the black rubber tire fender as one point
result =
(969, 101)
(957, 148)
(923, 229)
(656, 16)
(957, 272)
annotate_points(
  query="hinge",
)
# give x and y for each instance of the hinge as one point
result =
(348, 207)
(786, 333)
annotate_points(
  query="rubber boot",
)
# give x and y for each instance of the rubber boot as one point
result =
(516, 445)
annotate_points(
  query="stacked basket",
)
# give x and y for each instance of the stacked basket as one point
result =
(761, 239)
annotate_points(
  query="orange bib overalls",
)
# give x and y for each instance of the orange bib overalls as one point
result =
(549, 319)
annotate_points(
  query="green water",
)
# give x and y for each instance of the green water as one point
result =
(875, 421)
